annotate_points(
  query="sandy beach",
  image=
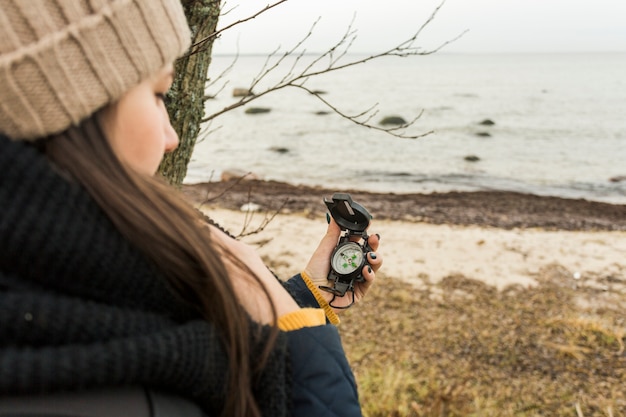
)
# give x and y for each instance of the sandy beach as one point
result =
(421, 253)
(488, 303)
(511, 239)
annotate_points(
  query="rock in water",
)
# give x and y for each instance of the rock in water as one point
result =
(257, 110)
(393, 120)
(472, 158)
(242, 92)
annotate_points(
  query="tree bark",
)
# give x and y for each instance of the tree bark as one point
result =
(186, 98)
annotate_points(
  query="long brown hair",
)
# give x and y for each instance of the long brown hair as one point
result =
(153, 216)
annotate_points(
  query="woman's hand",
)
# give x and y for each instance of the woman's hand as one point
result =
(250, 295)
(319, 266)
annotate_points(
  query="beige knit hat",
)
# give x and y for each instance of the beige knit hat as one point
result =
(61, 60)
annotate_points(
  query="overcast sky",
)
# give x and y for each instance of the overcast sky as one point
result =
(492, 25)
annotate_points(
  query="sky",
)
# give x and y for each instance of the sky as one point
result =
(488, 26)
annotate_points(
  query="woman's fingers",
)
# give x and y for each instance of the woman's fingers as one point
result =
(374, 258)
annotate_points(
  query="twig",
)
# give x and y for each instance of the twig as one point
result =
(208, 199)
(198, 46)
(355, 119)
(334, 54)
(248, 217)
(266, 221)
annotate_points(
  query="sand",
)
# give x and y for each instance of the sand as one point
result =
(422, 253)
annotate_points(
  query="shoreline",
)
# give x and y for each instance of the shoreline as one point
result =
(501, 239)
(499, 209)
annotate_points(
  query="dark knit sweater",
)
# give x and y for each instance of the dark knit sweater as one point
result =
(80, 307)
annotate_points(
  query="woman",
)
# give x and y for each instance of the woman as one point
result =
(107, 277)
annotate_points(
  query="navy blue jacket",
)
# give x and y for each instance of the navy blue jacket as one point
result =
(323, 383)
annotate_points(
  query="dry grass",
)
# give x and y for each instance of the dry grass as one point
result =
(461, 348)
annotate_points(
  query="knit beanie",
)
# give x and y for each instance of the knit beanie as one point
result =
(61, 60)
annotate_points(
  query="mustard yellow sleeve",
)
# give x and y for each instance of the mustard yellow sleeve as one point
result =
(330, 314)
(304, 317)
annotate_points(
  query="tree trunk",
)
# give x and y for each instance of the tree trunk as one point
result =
(186, 97)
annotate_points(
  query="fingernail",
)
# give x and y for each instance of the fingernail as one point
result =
(372, 255)
(369, 269)
(378, 236)
(327, 218)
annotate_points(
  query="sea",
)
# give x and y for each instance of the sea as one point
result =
(559, 124)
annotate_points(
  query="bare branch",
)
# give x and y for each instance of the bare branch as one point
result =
(346, 40)
(206, 131)
(221, 76)
(266, 220)
(397, 131)
(267, 69)
(208, 199)
(269, 216)
(332, 58)
(200, 44)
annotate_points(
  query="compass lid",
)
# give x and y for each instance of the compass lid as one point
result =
(348, 214)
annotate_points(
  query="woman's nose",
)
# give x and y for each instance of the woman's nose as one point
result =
(171, 138)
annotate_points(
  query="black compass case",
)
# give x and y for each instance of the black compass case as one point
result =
(348, 214)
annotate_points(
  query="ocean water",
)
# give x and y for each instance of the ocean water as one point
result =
(560, 125)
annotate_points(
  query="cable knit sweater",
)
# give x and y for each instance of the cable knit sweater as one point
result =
(80, 307)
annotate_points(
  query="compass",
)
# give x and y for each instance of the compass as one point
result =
(349, 256)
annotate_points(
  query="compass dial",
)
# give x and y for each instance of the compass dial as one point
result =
(347, 258)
